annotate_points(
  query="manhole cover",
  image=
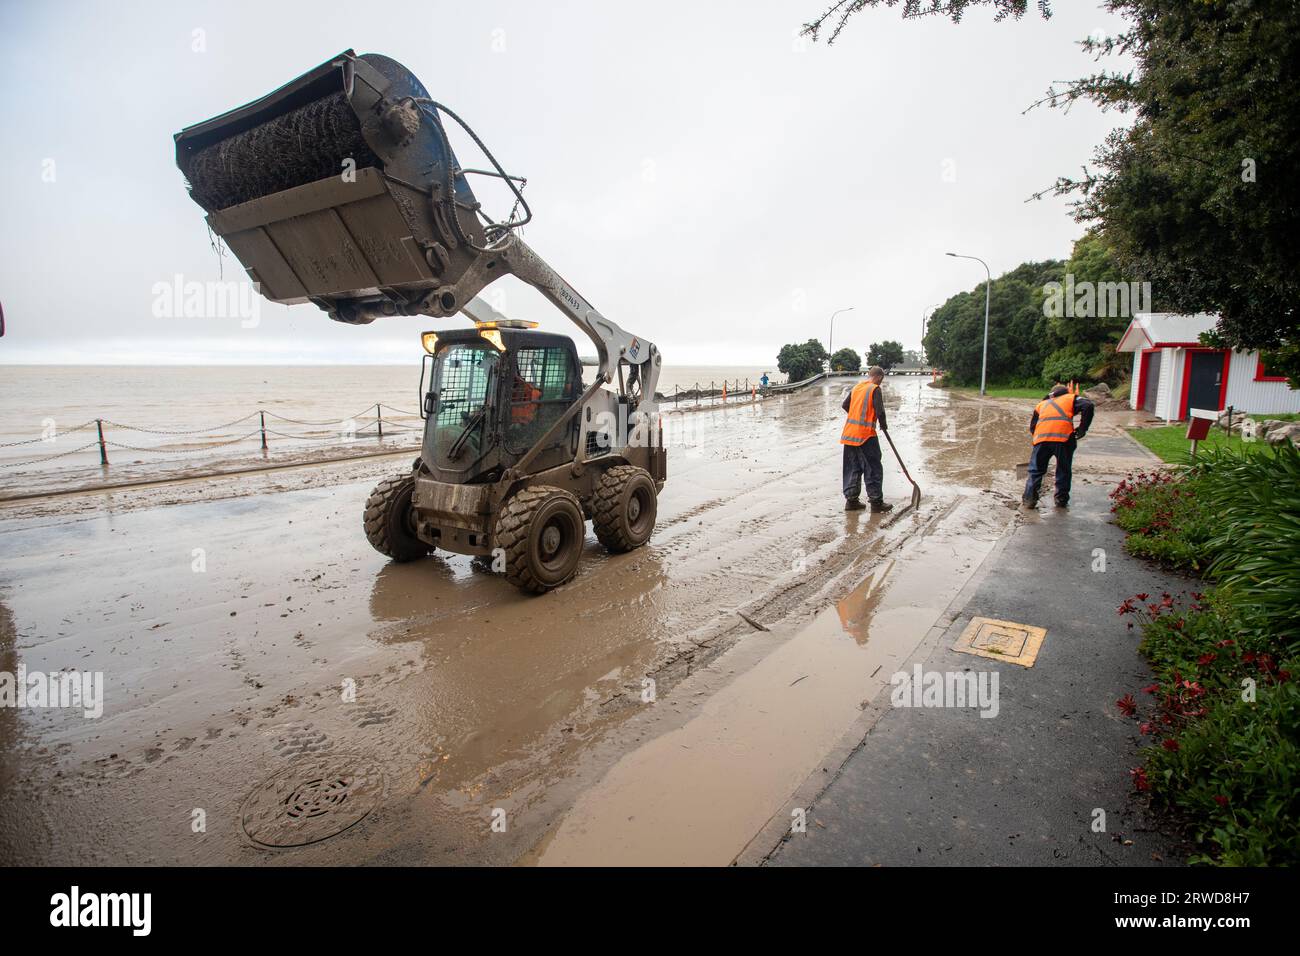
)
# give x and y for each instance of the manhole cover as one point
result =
(1001, 640)
(311, 801)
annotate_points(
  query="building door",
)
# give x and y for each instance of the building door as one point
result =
(1150, 381)
(1205, 380)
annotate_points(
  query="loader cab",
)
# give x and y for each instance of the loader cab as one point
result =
(491, 394)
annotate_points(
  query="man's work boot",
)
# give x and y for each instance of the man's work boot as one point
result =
(1062, 502)
(1029, 504)
(853, 504)
(879, 505)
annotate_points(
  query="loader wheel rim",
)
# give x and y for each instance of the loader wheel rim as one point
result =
(640, 511)
(556, 542)
(552, 537)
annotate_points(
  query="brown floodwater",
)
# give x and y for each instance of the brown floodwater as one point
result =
(246, 631)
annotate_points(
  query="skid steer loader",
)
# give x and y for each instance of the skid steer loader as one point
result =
(341, 189)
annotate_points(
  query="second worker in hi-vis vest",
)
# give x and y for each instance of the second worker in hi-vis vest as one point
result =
(1054, 434)
(866, 409)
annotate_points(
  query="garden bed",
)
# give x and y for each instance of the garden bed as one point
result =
(1223, 714)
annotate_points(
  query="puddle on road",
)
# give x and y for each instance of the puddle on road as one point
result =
(697, 794)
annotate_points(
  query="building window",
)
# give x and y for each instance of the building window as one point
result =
(1263, 375)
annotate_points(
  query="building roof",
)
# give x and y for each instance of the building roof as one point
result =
(1150, 330)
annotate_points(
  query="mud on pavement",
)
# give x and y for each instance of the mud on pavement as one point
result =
(276, 693)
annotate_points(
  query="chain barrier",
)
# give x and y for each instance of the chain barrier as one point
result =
(32, 441)
(161, 431)
(370, 421)
(183, 451)
(738, 392)
(35, 461)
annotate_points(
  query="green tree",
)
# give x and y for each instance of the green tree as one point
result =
(801, 361)
(1019, 336)
(1198, 193)
(846, 360)
(1091, 334)
(886, 354)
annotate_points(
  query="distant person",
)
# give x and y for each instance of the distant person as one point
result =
(1055, 436)
(866, 408)
(763, 381)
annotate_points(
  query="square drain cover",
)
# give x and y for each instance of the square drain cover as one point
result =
(1001, 640)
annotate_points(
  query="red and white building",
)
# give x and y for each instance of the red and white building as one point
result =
(1173, 372)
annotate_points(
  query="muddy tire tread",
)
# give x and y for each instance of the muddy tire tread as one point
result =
(606, 519)
(377, 517)
(512, 535)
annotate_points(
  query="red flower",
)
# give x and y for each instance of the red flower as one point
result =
(1127, 705)
(1221, 800)
(1139, 776)
(1207, 658)
(1150, 688)
(1145, 729)
(1141, 597)
(1169, 743)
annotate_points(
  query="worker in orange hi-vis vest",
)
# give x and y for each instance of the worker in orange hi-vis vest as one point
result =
(1054, 434)
(866, 409)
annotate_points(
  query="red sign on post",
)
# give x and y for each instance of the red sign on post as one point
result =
(1198, 426)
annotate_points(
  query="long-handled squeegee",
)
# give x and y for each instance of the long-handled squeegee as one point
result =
(916, 489)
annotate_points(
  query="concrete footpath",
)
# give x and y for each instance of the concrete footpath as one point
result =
(945, 786)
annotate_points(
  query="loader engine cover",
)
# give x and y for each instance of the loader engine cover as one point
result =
(341, 189)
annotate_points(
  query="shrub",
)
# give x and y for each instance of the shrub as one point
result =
(1164, 519)
(1069, 364)
(1227, 758)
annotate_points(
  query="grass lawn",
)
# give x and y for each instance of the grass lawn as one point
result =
(1002, 391)
(1169, 444)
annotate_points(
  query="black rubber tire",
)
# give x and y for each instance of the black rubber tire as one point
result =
(522, 532)
(624, 508)
(388, 520)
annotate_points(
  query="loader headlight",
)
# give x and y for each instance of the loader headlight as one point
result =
(493, 336)
(429, 340)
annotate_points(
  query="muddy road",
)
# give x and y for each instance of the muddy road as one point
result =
(275, 692)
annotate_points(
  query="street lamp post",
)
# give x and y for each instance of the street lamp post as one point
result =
(925, 317)
(830, 339)
(984, 368)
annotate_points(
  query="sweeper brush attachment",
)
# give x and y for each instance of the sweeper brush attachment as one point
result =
(301, 146)
(341, 188)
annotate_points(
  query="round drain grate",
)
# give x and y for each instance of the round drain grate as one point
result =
(311, 801)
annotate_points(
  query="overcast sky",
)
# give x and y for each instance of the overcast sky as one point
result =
(700, 174)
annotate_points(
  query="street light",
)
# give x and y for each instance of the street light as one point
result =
(925, 316)
(984, 369)
(830, 339)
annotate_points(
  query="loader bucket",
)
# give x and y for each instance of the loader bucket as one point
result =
(340, 188)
